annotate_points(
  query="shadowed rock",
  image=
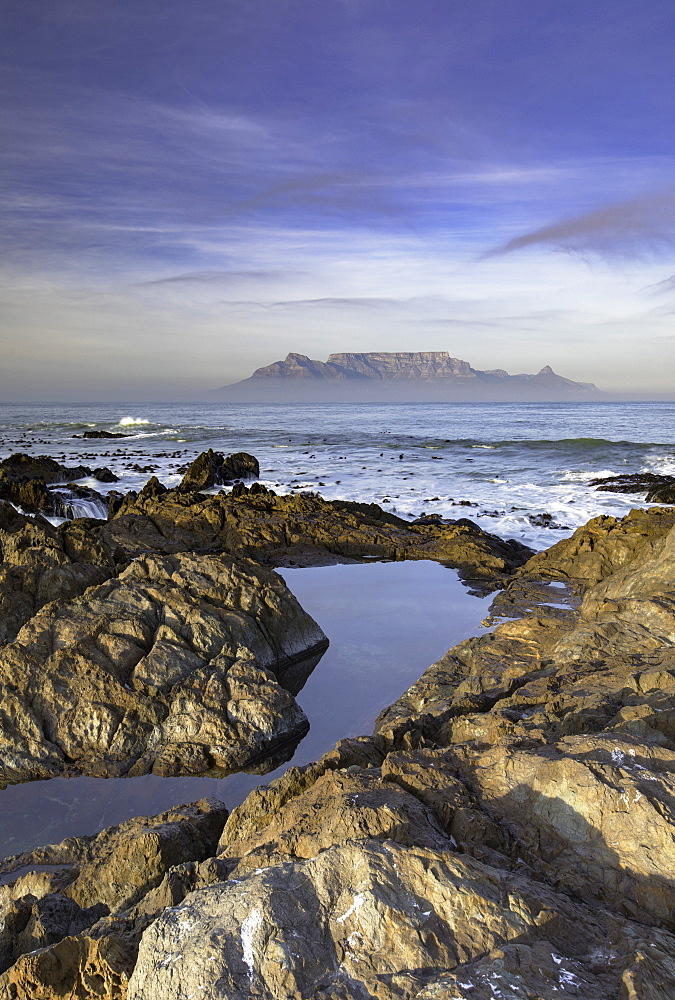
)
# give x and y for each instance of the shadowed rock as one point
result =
(304, 529)
(62, 907)
(212, 468)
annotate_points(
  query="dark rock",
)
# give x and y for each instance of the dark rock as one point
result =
(20, 468)
(104, 475)
(638, 482)
(102, 434)
(306, 529)
(212, 468)
(31, 495)
(664, 494)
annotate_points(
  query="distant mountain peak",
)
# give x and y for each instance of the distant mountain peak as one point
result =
(398, 375)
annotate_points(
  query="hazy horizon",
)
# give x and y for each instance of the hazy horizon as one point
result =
(194, 191)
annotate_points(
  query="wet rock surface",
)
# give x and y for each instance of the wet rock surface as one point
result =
(638, 482)
(21, 468)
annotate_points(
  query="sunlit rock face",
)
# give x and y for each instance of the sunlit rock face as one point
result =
(172, 666)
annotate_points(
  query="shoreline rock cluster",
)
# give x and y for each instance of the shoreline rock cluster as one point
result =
(161, 641)
(506, 831)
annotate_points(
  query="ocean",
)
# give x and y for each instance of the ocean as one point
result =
(502, 465)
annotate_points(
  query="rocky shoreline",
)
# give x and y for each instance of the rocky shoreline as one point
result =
(506, 830)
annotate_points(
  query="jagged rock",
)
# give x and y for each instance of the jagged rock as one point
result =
(31, 495)
(563, 728)
(339, 806)
(379, 919)
(636, 482)
(506, 832)
(602, 546)
(305, 529)
(172, 667)
(41, 563)
(212, 468)
(664, 494)
(88, 903)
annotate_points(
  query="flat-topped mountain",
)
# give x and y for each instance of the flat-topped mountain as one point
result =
(402, 376)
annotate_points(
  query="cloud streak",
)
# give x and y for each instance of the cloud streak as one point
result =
(640, 225)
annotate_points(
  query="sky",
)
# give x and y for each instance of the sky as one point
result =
(194, 188)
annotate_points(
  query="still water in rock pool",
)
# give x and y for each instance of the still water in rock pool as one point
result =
(387, 622)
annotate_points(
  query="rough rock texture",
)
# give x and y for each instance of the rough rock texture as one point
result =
(636, 482)
(506, 834)
(171, 667)
(544, 752)
(379, 919)
(304, 529)
(41, 563)
(663, 494)
(212, 468)
(86, 905)
(603, 546)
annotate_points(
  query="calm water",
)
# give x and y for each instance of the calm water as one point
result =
(387, 622)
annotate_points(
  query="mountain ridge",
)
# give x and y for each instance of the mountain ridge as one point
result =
(404, 375)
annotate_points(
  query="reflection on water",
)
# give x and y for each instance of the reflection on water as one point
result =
(386, 623)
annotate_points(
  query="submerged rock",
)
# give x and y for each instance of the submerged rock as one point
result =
(172, 667)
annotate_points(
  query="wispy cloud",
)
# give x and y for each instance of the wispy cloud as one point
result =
(640, 225)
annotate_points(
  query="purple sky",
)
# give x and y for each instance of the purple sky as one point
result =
(193, 189)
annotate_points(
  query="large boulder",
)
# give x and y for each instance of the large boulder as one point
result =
(378, 919)
(173, 667)
(212, 468)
